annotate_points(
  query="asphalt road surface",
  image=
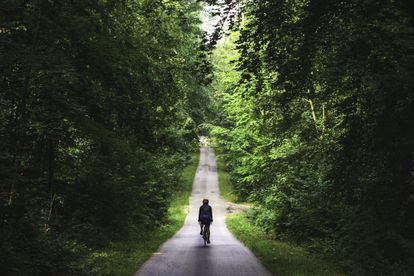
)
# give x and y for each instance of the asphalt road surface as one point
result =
(184, 253)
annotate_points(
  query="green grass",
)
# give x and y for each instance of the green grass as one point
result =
(225, 186)
(125, 257)
(278, 257)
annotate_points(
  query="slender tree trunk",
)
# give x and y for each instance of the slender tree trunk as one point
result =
(323, 118)
(21, 111)
(50, 161)
(50, 177)
(314, 118)
(50, 212)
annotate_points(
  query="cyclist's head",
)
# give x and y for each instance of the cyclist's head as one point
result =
(205, 201)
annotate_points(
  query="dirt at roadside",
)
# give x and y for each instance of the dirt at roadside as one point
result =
(234, 208)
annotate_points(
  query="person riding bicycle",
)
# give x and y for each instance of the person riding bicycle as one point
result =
(205, 217)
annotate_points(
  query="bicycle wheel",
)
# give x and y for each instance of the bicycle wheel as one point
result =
(205, 236)
(208, 233)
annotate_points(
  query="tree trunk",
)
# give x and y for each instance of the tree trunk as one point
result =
(21, 111)
(50, 176)
(315, 120)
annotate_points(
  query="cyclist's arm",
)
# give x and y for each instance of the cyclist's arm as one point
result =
(211, 212)
(199, 214)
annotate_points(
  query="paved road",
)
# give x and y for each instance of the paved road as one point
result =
(184, 253)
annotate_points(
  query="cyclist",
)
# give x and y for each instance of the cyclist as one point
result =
(205, 218)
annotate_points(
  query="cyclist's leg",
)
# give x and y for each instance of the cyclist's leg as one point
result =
(207, 229)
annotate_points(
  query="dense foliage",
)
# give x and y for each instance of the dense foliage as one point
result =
(96, 121)
(100, 101)
(318, 125)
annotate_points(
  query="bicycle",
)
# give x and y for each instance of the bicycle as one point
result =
(206, 233)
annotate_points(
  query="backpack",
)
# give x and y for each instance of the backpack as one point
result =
(205, 213)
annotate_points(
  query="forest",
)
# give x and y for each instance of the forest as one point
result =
(310, 103)
(98, 113)
(316, 122)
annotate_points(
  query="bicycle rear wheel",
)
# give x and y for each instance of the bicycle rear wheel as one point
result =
(205, 233)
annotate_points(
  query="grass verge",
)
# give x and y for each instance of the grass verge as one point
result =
(125, 257)
(225, 187)
(278, 257)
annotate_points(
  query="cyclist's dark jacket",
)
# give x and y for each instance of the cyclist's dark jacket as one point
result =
(209, 210)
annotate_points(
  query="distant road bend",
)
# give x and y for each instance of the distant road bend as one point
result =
(184, 253)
